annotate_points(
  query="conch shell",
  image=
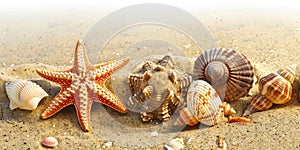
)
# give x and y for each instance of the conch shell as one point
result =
(274, 88)
(24, 94)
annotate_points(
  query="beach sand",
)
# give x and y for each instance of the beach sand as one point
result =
(269, 40)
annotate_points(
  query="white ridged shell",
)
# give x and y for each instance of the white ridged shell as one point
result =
(203, 102)
(24, 94)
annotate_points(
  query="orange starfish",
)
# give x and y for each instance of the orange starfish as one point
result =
(81, 85)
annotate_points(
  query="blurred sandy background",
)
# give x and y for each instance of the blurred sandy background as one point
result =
(268, 33)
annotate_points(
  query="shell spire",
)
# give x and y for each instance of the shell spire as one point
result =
(185, 118)
(288, 73)
(230, 73)
(273, 88)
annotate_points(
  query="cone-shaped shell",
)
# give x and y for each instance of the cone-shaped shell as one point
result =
(24, 94)
(203, 102)
(258, 103)
(288, 73)
(185, 118)
(229, 72)
(275, 88)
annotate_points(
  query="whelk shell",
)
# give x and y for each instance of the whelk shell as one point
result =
(24, 94)
(203, 105)
(157, 89)
(274, 88)
(230, 73)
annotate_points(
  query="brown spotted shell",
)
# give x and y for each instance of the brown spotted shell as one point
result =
(228, 71)
(203, 105)
(157, 89)
(274, 88)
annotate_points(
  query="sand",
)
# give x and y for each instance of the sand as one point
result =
(269, 40)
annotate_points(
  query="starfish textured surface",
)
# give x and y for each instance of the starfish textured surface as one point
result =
(81, 85)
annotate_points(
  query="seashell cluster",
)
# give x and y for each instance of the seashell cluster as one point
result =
(274, 88)
(203, 105)
(24, 94)
(157, 89)
(49, 142)
(230, 73)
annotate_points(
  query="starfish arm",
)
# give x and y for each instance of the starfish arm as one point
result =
(105, 70)
(83, 104)
(60, 77)
(81, 62)
(108, 98)
(60, 101)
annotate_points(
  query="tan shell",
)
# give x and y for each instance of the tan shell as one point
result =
(49, 142)
(24, 94)
(229, 72)
(157, 89)
(203, 105)
(273, 88)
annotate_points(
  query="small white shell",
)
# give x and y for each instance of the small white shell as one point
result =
(175, 144)
(24, 94)
(49, 142)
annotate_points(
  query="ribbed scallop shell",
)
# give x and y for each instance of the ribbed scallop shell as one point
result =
(274, 88)
(203, 103)
(230, 73)
(24, 94)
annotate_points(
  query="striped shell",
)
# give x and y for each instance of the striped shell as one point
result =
(24, 94)
(229, 72)
(274, 88)
(157, 89)
(203, 105)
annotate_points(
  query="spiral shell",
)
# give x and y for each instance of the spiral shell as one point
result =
(230, 73)
(157, 89)
(24, 94)
(273, 88)
(203, 105)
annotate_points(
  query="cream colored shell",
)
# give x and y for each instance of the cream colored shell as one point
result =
(24, 94)
(203, 102)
